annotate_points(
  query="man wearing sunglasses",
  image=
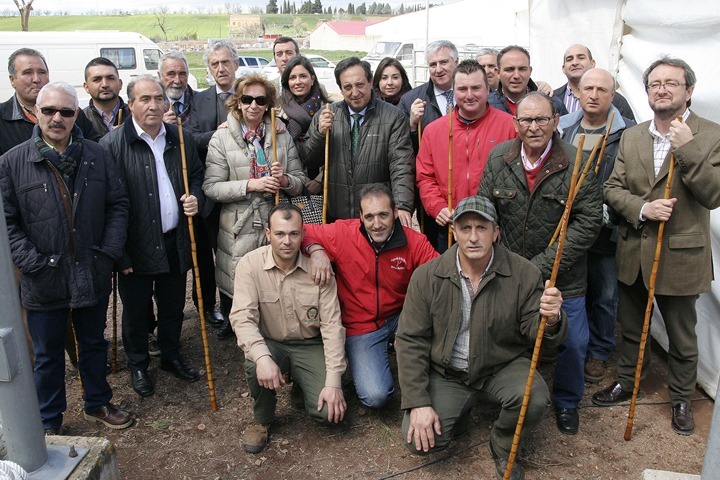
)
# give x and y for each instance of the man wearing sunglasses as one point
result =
(528, 180)
(66, 211)
(28, 73)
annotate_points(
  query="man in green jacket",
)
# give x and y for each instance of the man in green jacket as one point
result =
(469, 319)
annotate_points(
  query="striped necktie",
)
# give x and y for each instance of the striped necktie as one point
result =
(355, 134)
(450, 97)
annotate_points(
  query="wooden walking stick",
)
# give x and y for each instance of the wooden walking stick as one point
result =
(602, 150)
(196, 272)
(113, 361)
(119, 122)
(543, 320)
(648, 308)
(450, 173)
(274, 142)
(326, 173)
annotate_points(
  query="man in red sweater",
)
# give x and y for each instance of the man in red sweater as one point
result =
(374, 258)
(476, 129)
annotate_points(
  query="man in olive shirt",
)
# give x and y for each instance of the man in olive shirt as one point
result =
(285, 323)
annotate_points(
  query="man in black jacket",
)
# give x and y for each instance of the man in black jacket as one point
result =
(28, 74)
(66, 211)
(157, 251)
(103, 83)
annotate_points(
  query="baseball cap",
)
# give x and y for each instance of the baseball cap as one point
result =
(476, 204)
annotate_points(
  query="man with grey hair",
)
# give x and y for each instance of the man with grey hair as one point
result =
(487, 58)
(157, 252)
(28, 73)
(66, 211)
(173, 71)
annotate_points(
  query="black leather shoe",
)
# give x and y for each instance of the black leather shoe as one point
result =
(611, 395)
(501, 466)
(568, 420)
(682, 419)
(214, 319)
(180, 369)
(226, 331)
(141, 383)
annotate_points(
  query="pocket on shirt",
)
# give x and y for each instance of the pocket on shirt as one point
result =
(307, 307)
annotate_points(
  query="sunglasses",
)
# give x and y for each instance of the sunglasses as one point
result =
(262, 100)
(51, 111)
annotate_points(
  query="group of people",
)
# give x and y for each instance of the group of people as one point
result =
(311, 300)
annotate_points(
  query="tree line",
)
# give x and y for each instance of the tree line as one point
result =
(315, 6)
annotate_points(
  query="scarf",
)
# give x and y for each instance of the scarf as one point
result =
(259, 166)
(66, 162)
(394, 99)
(300, 113)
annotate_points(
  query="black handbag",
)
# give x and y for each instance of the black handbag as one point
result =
(310, 206)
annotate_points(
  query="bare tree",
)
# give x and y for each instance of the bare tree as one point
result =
(161, 21)
(25, 7)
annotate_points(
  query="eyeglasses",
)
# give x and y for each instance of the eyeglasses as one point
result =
(262, 100)
(527, 121)
(51, 111)
(669, 85)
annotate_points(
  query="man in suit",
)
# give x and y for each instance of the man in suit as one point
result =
(173, 72)
(635, 190)
(577, 60)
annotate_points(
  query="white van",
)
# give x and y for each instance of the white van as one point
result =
(67, 53)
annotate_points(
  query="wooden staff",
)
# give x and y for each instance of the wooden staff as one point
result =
(274, 143)
(119, 122)
(648, 308)
(196, 272)
(543, 320)
(326, 173)
(450, 173)
(602, 150)
(114, 324)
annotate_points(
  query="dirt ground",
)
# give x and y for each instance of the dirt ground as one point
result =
(177, 436)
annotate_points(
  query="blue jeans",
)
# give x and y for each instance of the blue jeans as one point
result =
(369, 365)
(602, 301)
(47, 329)
(569, 382)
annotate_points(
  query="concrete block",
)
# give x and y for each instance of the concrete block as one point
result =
(100, 463)
(662, 475)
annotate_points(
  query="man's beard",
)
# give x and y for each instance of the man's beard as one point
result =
(175, 93)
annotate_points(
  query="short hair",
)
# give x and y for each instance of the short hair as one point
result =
(58, 87)
(589, 53)
(172, 55)
(305, 63)
(437, 45)
(285, 209)
(468, 67)
(349, 63)
(690, 78)
(487, 51)
(537, 94)
(391, 62)
(30, 52)
(233, 102)
(217, 46)
(510, 48)
(101, 62)
(286, 40)
(376, 190)
(142, 78)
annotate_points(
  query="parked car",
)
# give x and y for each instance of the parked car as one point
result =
(324, 70)
(247, 65)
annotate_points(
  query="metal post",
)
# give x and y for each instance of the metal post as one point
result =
(711, 467)
(19, 409)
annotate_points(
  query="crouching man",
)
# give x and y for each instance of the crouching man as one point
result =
(285, 323)
(469, 318)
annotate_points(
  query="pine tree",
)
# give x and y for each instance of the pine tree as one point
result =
(271, 7)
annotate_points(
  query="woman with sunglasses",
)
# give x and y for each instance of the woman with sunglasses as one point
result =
(390, 81)
(243, 175)
(302, 97)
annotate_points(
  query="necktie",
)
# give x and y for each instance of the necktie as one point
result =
(450, 100)
(177, 107)
(221, 111)
(355, 134)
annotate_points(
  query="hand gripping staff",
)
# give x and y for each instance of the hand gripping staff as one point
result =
(326, 172)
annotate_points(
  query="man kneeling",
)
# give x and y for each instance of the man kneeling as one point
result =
(285, 323)
(469, 318)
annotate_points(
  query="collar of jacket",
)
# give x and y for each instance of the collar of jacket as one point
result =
(370, 107)
(571, 122)
(171, 134)
(557, 160)
(531, 87)
(17, 110)
(447, 267)
(397, 237)
(36, 157)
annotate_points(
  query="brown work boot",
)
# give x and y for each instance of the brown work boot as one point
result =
(110, 416)
(595, 370)
(255, 438)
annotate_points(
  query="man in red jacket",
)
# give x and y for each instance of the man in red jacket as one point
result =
(374, 257)
(476, 129)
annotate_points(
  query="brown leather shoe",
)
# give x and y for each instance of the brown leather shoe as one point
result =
(110, 416)
(594, 370)
(611, 395)
(255, 438)
(682, 419)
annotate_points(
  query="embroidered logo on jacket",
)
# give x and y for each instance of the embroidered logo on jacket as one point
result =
(398, 263)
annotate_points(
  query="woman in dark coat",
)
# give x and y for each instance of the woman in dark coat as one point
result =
(390, 81)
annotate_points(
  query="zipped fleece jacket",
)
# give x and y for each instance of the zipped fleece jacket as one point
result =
(528, 219)
(472, 143)
(371, 284)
